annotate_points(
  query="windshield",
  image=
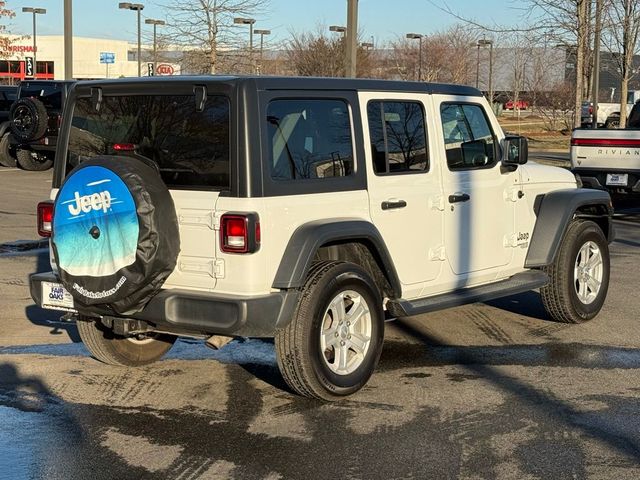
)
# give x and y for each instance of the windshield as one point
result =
(188, 147)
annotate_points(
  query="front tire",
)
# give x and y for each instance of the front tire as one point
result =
(113, 349)
(579, 275)
(334, 341)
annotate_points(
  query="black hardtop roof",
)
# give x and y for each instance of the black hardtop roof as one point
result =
(293, 83)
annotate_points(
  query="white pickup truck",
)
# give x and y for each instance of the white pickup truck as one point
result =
(608, 113)
(607, 159)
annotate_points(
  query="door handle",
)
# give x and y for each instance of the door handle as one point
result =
(389, 204)
(459, 197)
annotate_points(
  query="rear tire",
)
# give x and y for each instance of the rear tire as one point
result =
(6, 158)
(334, 341)
(33, 161)
(612, 122)
(113, 349)
(579, 276)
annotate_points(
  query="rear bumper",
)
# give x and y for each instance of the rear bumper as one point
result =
(598, 179)
(199, 312)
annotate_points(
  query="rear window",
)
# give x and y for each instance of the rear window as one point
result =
(309, 139)
(49, 95)
(188, 147)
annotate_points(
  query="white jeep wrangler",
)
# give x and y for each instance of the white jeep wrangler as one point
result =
(303, 209)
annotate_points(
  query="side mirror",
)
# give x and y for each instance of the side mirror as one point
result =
(515, 150)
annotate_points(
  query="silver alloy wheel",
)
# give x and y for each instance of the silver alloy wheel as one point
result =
(345, 336)
(588, 272)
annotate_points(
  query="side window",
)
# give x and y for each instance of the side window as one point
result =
(309, 138)
(468, 138)
(398, 137)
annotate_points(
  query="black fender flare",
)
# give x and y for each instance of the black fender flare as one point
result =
(309, 237)
(555, 210)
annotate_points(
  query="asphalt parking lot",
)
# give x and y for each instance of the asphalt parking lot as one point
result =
(494, 391)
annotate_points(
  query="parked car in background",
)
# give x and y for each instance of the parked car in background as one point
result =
(607, 160)
(608, 113)
(518, 105)
(8, 95)
(35, 120)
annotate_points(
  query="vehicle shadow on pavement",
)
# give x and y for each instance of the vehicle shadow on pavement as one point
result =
(38, 430)
(480, 362)
(527, 303)
(50, 319)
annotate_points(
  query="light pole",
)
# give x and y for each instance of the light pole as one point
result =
(155, 23)
(68, 40)
(34, 11)
(342, 30)
(262, 33)
(484, 43)
(418, 36)
(351, 54)
(250, 22)
(138, 7)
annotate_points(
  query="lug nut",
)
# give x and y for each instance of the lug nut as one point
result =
(342, 343)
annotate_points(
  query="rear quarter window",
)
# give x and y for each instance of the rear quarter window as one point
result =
(191, 149)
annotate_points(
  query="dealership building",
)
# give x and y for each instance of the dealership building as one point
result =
(89, 59)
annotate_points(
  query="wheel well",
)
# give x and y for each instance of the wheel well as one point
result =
(364, 254)
(598, 214)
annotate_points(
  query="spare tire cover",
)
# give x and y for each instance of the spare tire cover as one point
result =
(115, 233)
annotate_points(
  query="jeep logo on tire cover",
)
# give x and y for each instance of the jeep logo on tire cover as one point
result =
(95, 197)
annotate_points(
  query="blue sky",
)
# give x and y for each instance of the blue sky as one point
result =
(383, 19)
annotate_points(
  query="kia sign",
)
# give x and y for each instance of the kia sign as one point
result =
(164, 69)
(28, 67)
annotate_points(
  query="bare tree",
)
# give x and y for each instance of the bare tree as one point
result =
(5, 41)
(621, 39)
(318, 54)
(204, 27)
(565, 22)
(447, 56)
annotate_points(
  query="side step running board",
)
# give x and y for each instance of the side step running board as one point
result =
(521, 282)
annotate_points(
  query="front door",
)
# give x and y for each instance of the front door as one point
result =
(479, 214)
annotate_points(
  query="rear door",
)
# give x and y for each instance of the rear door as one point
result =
(405, 195)
(189, 146)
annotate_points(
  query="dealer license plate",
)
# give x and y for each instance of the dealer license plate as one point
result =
(617, 179)
(55, 296)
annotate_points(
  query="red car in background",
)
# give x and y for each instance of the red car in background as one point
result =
(520, 105)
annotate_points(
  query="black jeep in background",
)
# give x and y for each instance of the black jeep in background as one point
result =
(35, 119)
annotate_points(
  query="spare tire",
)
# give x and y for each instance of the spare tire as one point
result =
(29, 119)
(115, 233)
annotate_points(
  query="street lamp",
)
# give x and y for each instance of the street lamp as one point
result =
(482, 42)
(262, 33)
(34, 11)
(418, 36)
(250, 22)
(155, 23)
(138, 7)
(338, 29)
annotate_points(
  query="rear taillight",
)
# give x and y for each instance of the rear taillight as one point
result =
(239, 233)
(45, 218)
(124, 147)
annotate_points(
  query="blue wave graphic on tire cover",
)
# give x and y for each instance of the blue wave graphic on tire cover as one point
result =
(95, 226)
